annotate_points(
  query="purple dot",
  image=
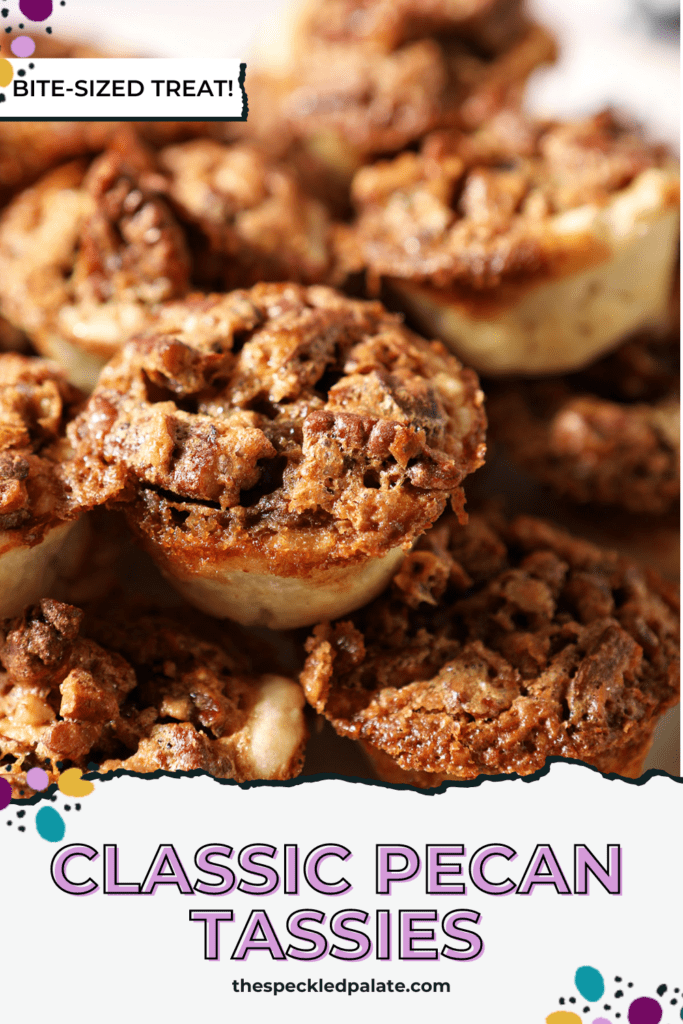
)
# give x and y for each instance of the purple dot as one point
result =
(644, 1011)
(37, 778)
(5, 793)
(22, 46)
(601, 1020)
(36, 10)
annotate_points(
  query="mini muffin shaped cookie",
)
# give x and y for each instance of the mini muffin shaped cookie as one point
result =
(138, 691)
(350, 101)
(609, 435)
(87, 254)
(39, 534)
(497, 646)
(90, 253)
(530, 247)
(277, 450)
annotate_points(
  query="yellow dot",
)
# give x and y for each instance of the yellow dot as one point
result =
(71, 784)
(6, 72)
(563, 1017)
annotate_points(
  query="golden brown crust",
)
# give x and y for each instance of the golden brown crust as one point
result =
(287, 425)
(36, 403)
(381, 102)
(475, 214)
(139, 688)
(610, 434)
(500, 645)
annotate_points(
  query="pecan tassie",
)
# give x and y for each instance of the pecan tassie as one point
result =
(142, 692)
(529, 247)
(610, 434)
(90, 252)
(87, 253)
(499, 645)
(477, 212)
(350, 102)
(286, 424)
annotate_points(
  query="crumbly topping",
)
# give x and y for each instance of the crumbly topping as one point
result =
(610, 434)
(140, 689)
(387, 24)
(258, 223)
(36, 403)
(481, 210)
(289, 423)
(498, 646)
(381, 102)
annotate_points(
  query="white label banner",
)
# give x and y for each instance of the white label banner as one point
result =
(334, 900)
(131, 88)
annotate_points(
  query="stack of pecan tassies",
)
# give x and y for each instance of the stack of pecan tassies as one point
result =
(266, 354)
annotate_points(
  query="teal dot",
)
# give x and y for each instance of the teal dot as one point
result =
(50, 824)
(590, 983)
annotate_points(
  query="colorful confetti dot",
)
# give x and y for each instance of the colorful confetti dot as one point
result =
(5, 793)
(590, 983)
(563, 1017)
(37, 779)
(50, 824)
(6, 72)
(601, 1020)
(22, 46)
(644, 1011)
(71, 784)
(36, 10)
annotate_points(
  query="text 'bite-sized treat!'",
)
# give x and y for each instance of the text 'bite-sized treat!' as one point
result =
(140, 691)
(29, 148)
(278, 450)
(530, 247)
(40, 535)
(498, 645)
